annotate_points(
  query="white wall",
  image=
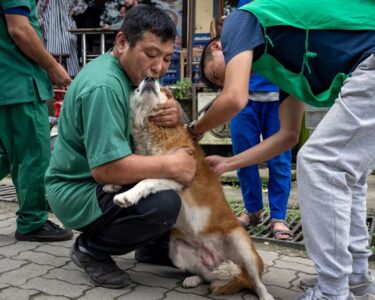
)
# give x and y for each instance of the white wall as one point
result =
(204, 11)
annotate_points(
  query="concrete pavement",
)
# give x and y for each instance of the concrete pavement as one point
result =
(31, 270)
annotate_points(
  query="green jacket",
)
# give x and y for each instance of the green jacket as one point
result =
(327, 15)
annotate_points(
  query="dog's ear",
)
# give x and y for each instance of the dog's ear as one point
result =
(165, 95)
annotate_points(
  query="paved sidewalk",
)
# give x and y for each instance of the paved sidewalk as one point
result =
(31, 270)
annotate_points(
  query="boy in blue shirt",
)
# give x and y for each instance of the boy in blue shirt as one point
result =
(259, 117)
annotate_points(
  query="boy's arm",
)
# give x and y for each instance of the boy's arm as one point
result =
(290, 114)
(234, 96)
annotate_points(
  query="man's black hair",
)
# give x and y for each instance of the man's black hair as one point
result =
(207, 53)
(142, 18)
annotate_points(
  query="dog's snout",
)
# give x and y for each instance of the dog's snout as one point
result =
(149, 84)
(150, 79)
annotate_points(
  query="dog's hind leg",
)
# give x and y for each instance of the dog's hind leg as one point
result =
(145, 188)
(251, 261)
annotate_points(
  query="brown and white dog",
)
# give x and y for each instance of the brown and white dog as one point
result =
(207, 240)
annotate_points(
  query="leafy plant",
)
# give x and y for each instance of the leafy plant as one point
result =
(181, 88)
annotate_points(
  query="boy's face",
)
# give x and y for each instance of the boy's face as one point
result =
(214, 67)
(150, 57)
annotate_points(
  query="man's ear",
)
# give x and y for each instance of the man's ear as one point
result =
(120, 41)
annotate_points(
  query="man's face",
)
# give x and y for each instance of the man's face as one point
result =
(130, 3)
(122, 11)
(150, 57)
(214, 68)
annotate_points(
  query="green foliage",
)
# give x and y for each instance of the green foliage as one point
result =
(181, 88)
(237, 206)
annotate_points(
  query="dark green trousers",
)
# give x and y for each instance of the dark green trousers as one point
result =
(25, 154)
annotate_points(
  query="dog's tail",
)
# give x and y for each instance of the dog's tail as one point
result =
(229, 278)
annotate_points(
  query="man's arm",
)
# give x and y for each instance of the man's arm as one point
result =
(179, 165)
(290, 115)
(234, 96)
(26, 38)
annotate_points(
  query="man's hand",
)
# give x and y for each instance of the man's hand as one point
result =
(183, 166)
(167, 114)
(58, 75)
(217, 164)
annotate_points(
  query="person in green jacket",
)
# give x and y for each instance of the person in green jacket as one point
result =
(94, 147)
(321, 53)
(26, 72)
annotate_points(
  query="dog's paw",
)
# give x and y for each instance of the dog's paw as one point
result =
(111, 188)
(123, 200)
(192, 281)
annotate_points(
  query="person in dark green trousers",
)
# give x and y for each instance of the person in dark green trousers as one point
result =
(26, 73)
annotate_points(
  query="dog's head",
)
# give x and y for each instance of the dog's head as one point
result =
(144, 99)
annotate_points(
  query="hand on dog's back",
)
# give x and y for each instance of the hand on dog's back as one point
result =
(182, 165)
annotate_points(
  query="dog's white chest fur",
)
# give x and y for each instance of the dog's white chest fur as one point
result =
(192, 220)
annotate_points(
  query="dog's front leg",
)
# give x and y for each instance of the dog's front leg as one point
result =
(143, 189)
(192, 281)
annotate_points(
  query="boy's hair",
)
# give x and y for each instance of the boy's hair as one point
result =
(207, 55)
(142, 18)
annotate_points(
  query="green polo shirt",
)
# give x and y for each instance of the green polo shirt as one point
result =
(21, 80)
(94, 129)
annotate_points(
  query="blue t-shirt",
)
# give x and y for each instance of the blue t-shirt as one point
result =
(338, 50)
(257, 82)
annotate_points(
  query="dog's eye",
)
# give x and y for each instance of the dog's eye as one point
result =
(138, 90)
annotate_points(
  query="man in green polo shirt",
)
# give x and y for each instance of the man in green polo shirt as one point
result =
(26, 69)
(94, 147)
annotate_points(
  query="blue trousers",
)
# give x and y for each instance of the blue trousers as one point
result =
(256, 119)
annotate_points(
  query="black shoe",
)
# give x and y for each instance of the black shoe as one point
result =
(156, 253)
(49, 232)
(101, 269)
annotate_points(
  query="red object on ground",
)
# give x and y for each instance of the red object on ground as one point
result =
(59, 97)
(57, 106)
